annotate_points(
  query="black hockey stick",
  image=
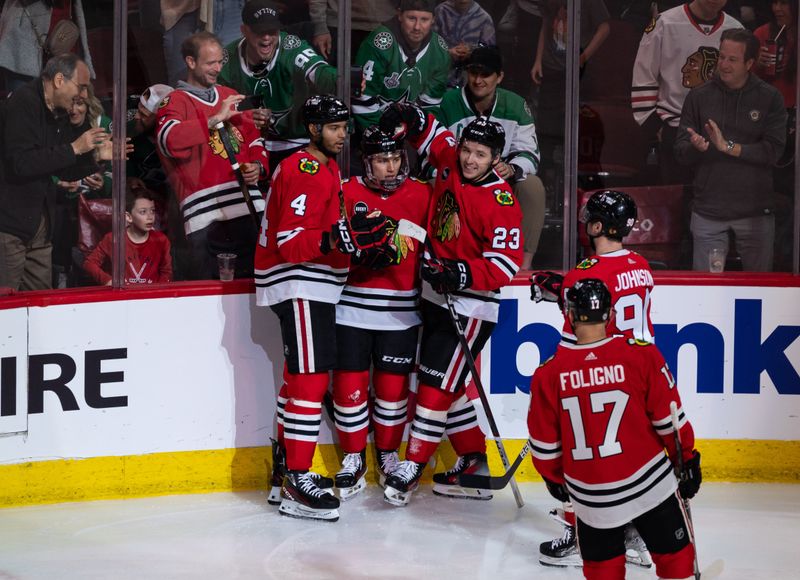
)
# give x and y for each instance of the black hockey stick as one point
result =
(494, 482)
(673, 412)
(225, 137)
(408, 228)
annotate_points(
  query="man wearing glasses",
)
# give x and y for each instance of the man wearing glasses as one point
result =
(34, 128)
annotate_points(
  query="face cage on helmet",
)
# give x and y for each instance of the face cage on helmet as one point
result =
(388, 185)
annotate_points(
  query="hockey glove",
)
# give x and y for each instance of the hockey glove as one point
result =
(361, 232)
(692, 477)
(403, 120)
(557, 490)
(343, 238)
(446, 275)
(546, 286)
(375, 258)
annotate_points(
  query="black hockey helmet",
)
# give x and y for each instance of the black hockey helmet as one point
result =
(589, 300)
(486, 132)
(375, 142)
(324, 109)
(616, 210)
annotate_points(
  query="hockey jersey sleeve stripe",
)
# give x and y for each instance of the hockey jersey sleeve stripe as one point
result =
(427, 101)
(507, 266)
(223, 190)
(283, 237)
(162, 137)
(218, 201)
(545, 451)
(366, 106)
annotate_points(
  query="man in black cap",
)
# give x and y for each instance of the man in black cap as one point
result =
(482, 97)
(281, 71)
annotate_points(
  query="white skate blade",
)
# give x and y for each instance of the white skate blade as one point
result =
(573, 560)
(396, 497)
(461, 492)
(274, 497)
(296, 510)
(346, 493)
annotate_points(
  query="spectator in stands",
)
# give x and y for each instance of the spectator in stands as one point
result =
(669, 48)
(366, 16)
(521, 26)
(147, 257)
(403, 60)
(280, 69)
(35, 135)
(215, 213)
(733, 129)
(26, 40)
(519, 160)
(144, 162)
(463, 24)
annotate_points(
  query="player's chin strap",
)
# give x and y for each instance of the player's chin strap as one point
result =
(412, 230)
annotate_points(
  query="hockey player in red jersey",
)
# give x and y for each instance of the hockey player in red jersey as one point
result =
(474, 230)
(378, 315)
(608, 217)
(215, 216)
(599, 422)
(301, 264)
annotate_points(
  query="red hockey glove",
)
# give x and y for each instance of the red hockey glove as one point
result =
(557, 490)
(403, 120)
(546, 286)
(692, 477)
(446, 275)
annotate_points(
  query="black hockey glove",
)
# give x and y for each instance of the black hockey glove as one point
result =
(692, 477)
(343, 238)
(546, 286)
(361, 232)
(557, 490)
(446, 275)
(375, 258)
(403, 120)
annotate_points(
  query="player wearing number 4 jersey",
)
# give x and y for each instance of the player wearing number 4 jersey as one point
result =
(608, 216)
(599, 422)
(476, 248)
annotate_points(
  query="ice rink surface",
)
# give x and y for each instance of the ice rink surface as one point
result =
(753, 528)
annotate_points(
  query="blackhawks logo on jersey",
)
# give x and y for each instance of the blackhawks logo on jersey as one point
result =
(446, 222)
(164, 102)
(503, 197)
(310, 166)
(587, 263)
(218, 147)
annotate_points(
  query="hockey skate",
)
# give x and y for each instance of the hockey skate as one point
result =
(302, 498)
(402, 482)
(279, 471)
(387, 462)
(350, 480)
(636, 551)
(446, 484)
(561, 551)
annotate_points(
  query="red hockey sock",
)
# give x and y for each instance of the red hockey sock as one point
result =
(302, 417)
(679, 564)
(429, 422)
(389, 414)
(462, 427)
(569, 513)
(282, 396)
(350, 398)
(613, 569)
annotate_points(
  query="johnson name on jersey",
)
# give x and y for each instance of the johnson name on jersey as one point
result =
(197, 163)
(393, 75)
(302, 203)
(630, 281)
(385, 299)
(599, 420)
(294, 73)
(676, 53)
(510, 110)
(477, 222)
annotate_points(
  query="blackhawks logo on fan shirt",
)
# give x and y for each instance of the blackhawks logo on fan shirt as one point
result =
(218, 147)
(446, 223)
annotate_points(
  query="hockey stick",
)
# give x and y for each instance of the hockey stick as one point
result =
(494, 482)
(225, 137)
(673, 412)
(412, 230)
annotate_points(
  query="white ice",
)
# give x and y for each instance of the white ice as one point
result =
(752, 528)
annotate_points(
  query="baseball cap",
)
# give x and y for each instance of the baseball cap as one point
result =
(420, 5)
(486, 58)
(153, 95)
(261, 16)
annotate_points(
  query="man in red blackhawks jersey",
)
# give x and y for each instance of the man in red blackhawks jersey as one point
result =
(599, 422)
(474, 229)
(378, 316)
(301, 264)
(608, 217)
(215, 215)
